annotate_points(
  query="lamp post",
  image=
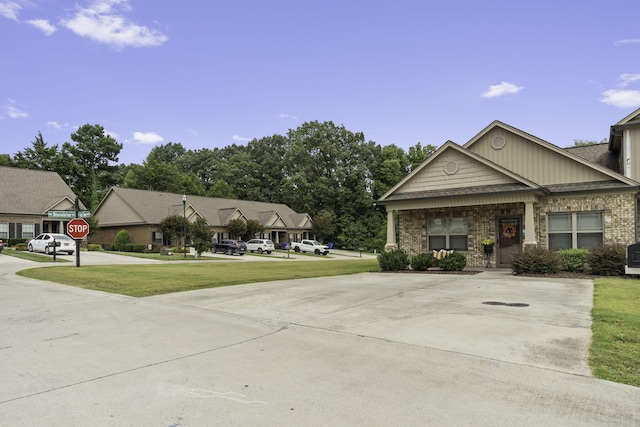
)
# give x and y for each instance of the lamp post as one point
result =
(184, 215)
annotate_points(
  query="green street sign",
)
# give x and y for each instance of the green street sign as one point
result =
(68, 214)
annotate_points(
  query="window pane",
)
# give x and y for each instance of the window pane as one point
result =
(458, 243)
(559, 222)
(27, 231)
(559, 241)
(437, 226)
(4, 230)
(437, 242)
(589, 240)
(589, 221)
(458, 226)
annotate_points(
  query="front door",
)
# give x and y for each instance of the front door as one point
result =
(509, 232)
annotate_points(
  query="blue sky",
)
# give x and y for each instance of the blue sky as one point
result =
(208, 73)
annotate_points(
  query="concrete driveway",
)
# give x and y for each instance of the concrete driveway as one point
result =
(371, 349)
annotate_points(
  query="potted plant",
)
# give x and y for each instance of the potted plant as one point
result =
(487, 244)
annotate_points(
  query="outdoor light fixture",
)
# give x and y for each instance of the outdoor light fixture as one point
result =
(184, 215)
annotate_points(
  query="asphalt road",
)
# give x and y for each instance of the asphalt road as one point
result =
(372, 349)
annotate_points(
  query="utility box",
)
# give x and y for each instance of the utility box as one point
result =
(633, 259)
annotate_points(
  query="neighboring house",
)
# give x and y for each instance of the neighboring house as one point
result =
(26, 197)
(140, 213)
(518, 190)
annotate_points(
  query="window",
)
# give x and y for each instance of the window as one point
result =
(4, 230)
(447, 233)
(583, 230)
(28, 231)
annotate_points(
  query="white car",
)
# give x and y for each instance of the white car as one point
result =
(260, 246)
(44, 243)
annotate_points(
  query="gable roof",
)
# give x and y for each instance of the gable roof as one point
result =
(597, 153)
(33, 192)
(615, 135)
(480, 167)
(496, 178)
(127, 206)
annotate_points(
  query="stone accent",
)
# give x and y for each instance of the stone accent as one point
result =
(618, 210)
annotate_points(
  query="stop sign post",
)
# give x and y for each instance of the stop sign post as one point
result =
(77, 229)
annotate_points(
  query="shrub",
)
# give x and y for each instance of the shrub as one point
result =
(574, 260)
(135, 247)
(393, 261)
(91, 247)
(456, 261)
(121, 240)
(607, 260)
(15, 241)
(422, 262)
(536, 260)
(21, 247)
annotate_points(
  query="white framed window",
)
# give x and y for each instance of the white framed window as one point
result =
(4, 230)
(448, 233)
(28, 231)
(573, 230)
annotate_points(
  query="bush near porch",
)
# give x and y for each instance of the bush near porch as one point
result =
(604, 260)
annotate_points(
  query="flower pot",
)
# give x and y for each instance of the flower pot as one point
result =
(488, 249)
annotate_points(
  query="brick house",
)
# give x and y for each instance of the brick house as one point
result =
(26, 197)
(140, 213)
(517, 190)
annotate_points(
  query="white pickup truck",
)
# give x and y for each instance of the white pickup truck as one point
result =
(310, 246)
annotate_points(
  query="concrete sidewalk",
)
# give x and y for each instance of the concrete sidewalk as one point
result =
(370, 349)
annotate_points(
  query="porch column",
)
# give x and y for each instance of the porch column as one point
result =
(529, 225)
(391, 232)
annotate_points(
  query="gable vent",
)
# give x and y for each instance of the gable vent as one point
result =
(450, 167)
(498, 142)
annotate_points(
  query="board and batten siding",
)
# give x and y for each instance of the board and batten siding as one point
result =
(453, 169)
(115, 211)
(533, 161)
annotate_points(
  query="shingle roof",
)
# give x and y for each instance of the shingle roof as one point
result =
(597, 153)
(462, 191)
(154, 206)
(31, 192)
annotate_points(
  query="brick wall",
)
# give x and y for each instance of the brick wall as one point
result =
(618, 211)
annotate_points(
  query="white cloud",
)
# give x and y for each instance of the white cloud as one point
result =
(103, 23)
(239, 138)
(14, 112)
(10, 10)
(42, 25)
(627, 78)
(626, 41)
(621, 98)
(287, 116)
(147, 137)
(57, 125)
(501, 89)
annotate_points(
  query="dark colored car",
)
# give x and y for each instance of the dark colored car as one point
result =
(230, 247)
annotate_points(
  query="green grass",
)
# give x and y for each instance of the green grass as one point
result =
(615, 347)
(155, 279)
(32, 256)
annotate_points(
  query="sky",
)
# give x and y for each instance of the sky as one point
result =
(209, 73)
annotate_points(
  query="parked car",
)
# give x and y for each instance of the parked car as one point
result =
(260, 246)
(230, 247)
(310, 246)
(44, 243)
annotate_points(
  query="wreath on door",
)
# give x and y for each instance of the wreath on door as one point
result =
(509, 231)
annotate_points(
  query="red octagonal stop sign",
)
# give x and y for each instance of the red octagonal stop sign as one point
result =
(78, 228)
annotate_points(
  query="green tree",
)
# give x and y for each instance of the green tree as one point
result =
(173, 226)
(222, 190)
(88, 163)
(583, 142)
(254, 227)
(200, 235)
(237, 227)
(418, 154)
(323, 225)
(39, 156)
(171, 153)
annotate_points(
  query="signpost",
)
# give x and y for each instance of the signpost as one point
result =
(68, 214)
(77, 229)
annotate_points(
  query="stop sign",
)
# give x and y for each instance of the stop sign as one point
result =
(78, 228)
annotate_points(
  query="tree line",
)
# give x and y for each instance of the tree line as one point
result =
(319, 168)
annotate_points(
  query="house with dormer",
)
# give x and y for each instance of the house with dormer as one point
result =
(140, 213)
(26, 199)
(518, 190)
